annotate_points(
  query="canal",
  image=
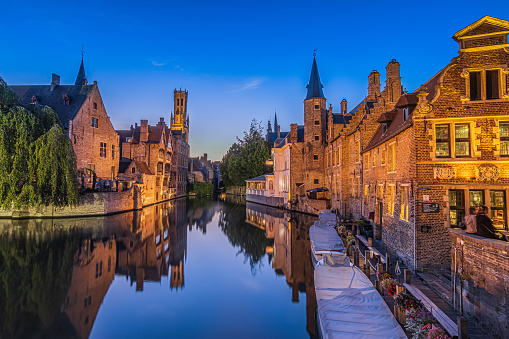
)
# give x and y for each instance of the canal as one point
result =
(180, 269)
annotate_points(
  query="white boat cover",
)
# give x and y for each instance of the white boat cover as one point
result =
(350, 307)
(325, 240)
(327, 215)
(324, 223)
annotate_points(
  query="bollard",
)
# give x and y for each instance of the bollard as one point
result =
(462, 327)
(406, 275)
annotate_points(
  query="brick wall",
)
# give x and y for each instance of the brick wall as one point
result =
(86, 139)
(482, 279)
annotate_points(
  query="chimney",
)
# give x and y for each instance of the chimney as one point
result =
(393, 86)
(344, 106)
(373, 85)
(55, 81)
(205, 156)
(293, 133)
(161, 122)
(143, 130)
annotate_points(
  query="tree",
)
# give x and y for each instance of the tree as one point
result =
(246, 158)
(37, 162)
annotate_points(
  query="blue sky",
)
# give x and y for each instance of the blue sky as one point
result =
(239, 60)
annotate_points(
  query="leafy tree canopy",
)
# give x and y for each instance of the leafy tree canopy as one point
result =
(246, 158)
(37, 162)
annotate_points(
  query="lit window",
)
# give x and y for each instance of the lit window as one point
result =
(366, 194)
(374, 159)
(405, 197)
(462, 140)
(443, 142)
(384, 156)
(366, 161)
(391, 163)
(456, 207)
(113, 152)
(498, 209)
(391, 193)
(504, 138)
(476, 198)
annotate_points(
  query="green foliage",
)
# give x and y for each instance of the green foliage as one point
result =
(37, 162)
(246, 158)
(201, 189)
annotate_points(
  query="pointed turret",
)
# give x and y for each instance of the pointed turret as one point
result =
(315, 86)
(81, 79)
(275, 120)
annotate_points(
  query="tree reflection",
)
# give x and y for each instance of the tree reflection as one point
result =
(36, 275)
(250, 240)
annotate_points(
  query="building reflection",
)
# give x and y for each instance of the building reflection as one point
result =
(143, 246)
(290, 253)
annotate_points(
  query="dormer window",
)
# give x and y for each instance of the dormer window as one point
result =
(406, 112)
(34, 100)
(94, 105)
(66, 100)
(384, 127)
(133, 170)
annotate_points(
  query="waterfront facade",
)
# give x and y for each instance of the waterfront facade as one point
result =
(83, 115)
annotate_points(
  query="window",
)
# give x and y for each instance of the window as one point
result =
(95, 122)
(374, 159)
(133, 170)
(102, 150)
(462, 140)
(353, 187)
(315, 156)
(357, 151)
(66, 100)
(475, 85)
(391, 193)
(91, 169)
(113, 152)
(366, 161)
(271, 185)
(498, 209)
(159, 168)
(476, 198)
(161, 154)
(358, 187)
(366, 194)
(317, 106)
(384, 156)
(391, 163)
(405, 205)
(94, 105)
(316, 181)
(384, 127)
(98, 269)
(406, 112)
(492, 91)
(109, 264)
(317, 138)
(443, 142)
(504, 139)
(158, 181)
(456, 207)
(317, 122)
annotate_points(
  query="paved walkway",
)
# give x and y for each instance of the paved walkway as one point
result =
(421, 283)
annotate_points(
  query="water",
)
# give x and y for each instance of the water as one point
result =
(181, 269)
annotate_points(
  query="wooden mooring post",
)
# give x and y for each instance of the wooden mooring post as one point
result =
(356, 253)
(406, 276)
(462, 327)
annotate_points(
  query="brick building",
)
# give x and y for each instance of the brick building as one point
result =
(146, 159)
(180, 142)
(82, 113)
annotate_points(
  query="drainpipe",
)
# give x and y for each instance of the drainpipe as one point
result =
(415, 226)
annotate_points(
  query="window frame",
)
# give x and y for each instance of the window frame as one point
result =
(405, 203)
(503, 138)
(456, 140)
(448, 141)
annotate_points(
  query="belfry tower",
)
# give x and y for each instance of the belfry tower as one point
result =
(179, 119)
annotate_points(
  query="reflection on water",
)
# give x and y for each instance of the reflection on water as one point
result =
(56, 274)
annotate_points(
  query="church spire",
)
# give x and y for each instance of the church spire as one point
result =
(315, 86)
(275, 120)
(81, 79)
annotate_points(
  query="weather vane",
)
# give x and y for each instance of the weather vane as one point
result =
(314, 52)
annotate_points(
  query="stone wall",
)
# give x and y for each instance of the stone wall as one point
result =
(482, 279)
(236, 190)
(90, 204)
